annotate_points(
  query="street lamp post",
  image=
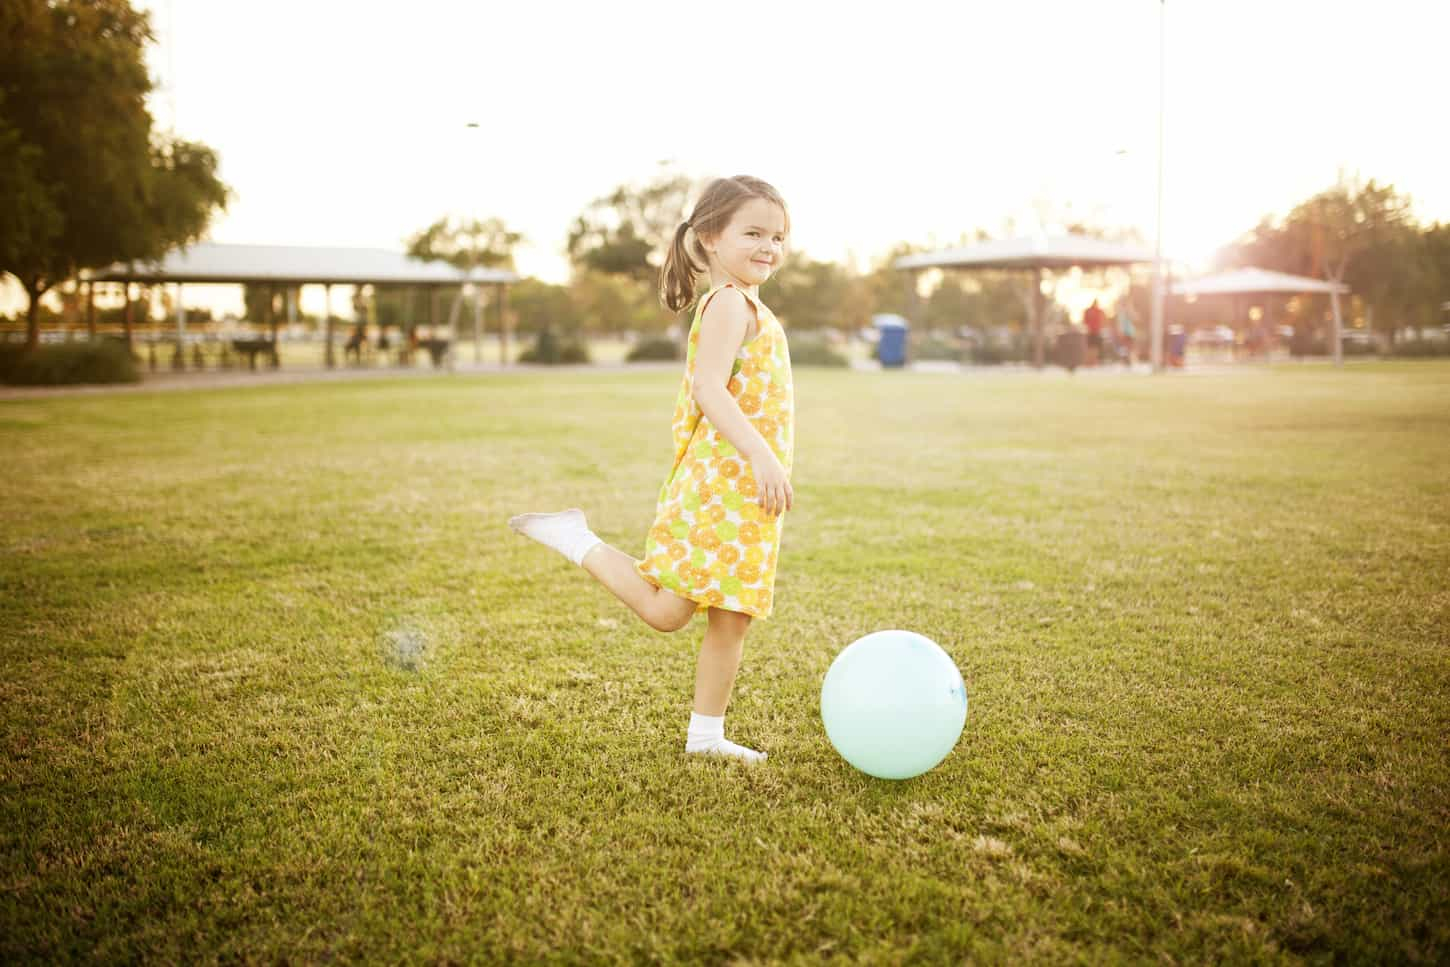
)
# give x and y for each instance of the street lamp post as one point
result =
(1158, 282)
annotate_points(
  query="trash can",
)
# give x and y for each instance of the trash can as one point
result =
(1071, 349)
(1177, 345)
(891, 346)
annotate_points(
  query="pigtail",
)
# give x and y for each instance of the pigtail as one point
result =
(677, 276)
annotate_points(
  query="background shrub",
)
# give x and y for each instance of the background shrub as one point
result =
(934, 347)
(62, 364)
(654, 349)
(1421, 348)
(995, 354)
(550, 350)
(809, 349)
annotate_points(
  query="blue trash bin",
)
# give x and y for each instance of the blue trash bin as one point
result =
(891, 341)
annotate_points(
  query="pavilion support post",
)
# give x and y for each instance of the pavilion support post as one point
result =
(478, 322)
(1338, 326)
(148, 299)
(1156, 320)
(272, 320)
(328, 358)
(452, 350)
(91, 311)
(503, 325)
(179, 360)
(1039, 309)
(126, 312)
(410, 324)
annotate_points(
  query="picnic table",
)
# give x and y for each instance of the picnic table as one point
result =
(437, 350)
(251, 347)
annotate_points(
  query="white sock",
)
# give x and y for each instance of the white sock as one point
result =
(707, 737)
(566, 532)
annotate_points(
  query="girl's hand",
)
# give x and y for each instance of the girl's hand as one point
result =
(776, 494)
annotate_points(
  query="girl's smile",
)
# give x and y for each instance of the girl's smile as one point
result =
(752, 245)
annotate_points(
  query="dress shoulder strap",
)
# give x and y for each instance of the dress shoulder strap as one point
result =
(760, 308)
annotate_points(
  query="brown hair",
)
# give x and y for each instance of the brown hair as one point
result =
(686, 257)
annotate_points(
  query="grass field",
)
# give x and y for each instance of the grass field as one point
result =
(281, 685)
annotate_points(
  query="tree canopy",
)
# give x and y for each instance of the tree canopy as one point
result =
(1362, 233)
(466, 243)
(626, 231)
(86, 180)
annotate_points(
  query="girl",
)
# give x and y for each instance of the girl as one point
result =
(716, 532)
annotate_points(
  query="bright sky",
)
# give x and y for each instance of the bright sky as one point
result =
(344, 124)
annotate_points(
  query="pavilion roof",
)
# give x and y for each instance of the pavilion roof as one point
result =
(1252, 281)
(1244, 281)
(295, 265)
(1031, 252)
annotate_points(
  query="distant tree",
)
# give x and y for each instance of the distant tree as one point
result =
(1359, 233)
(87, 182)
(884, 288)
(1436, 243)
(466, 243)
(399, 306)
(625, 232)
(260, 298)
(950, 304)
(183, 194)
(807, 294)
(616, 303)
(997, 299)
(539, 305)
(29, 218)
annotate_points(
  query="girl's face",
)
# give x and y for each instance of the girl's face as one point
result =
(752, 246)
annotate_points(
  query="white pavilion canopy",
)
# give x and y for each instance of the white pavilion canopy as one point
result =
(1037, 254)
(1252, 281)
(287, 266)
(295, 265)
(1255, 281)
(1032, 252)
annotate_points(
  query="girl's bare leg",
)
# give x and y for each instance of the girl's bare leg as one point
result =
(568, 533)
(719, 660)
(714, 680)
(662, 610)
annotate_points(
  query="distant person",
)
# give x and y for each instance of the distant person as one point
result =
(1127, 332)
(355, 343)
(1258, 339)
(1092, 321)
(715, 540)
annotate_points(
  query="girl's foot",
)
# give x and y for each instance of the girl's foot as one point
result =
(723, 746)
(707, 737)
(566, 532)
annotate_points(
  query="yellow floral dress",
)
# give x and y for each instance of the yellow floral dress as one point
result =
(711, 542)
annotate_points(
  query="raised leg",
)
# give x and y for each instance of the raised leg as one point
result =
(662, 610)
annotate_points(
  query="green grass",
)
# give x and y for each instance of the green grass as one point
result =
(1202, 621)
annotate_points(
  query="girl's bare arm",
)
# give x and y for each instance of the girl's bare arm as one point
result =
(726, 320)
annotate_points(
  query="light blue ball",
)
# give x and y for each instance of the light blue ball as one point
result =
(893, 704)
